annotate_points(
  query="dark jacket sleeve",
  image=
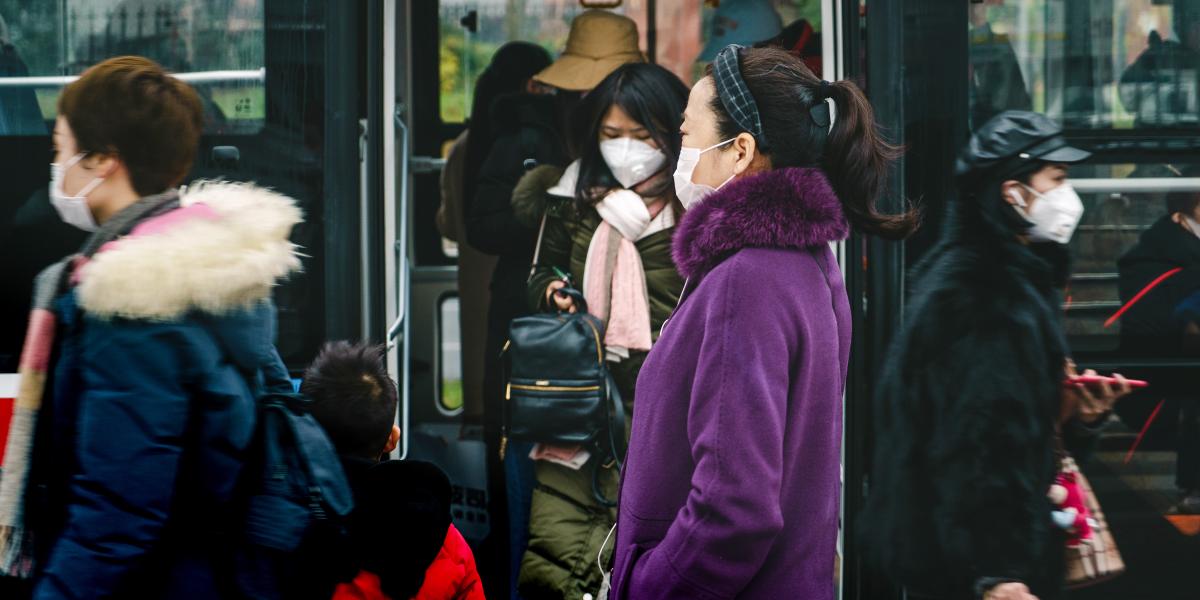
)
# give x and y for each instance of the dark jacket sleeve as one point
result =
(491, 225)
(130, 430)
(991, 449)
(555, 253)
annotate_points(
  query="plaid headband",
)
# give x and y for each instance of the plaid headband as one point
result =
(734, 94)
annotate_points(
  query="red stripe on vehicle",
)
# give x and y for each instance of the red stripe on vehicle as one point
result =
(1145, 290)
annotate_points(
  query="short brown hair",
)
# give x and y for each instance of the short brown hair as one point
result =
(129, 106)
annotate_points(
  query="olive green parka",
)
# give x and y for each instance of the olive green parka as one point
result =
(567, 525)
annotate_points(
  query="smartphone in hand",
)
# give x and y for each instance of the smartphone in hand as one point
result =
(1100, 379)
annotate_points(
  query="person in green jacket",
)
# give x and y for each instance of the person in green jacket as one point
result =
(608, 222)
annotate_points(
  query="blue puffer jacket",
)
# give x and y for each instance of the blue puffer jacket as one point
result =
(162, 349)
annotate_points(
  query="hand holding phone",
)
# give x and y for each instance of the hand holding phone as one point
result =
(1102, 380)
(1090, 396)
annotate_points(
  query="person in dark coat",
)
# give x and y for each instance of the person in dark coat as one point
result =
(152, 347)
(528, 128)
(1163, 323)
(731, 486)
(968, 405)
(531, 128)
(511, 70)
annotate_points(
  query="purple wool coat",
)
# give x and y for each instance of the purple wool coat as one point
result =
(731, 487)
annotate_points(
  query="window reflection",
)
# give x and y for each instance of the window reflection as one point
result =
(1092, 65)
(217, 45)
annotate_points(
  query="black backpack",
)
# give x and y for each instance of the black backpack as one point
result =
(559, 388)
(296, 506)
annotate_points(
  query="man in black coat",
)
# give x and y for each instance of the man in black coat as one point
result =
(1161, 323)
(967, 408)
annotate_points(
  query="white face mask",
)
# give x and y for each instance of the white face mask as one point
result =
(631, 161)
(1192, 225)
(1055, 215)
(688, 192)
(73, 210)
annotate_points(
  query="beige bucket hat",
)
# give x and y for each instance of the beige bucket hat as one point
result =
(599, 42)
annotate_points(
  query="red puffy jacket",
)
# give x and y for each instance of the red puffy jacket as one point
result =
(452, 576)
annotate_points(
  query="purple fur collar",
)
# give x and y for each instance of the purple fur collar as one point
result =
(783, 208)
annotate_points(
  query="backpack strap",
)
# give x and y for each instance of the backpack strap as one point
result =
(537, 249)
(614, 455)
(275, 374)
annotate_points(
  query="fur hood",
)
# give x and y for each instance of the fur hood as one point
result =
(529, 198)
(782, 208)
(222, 250)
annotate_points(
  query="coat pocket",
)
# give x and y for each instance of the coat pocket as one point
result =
(621, 579)
(555, 411)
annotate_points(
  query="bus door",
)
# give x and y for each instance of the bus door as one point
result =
(1123, 78)
(449, 44)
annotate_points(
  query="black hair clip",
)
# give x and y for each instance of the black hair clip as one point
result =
(819, 114)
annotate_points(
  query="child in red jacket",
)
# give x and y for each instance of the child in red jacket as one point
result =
(404, 544)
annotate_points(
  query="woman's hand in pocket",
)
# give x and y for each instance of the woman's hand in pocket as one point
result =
(1010, 591)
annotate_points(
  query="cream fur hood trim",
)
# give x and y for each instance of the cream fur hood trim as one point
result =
(208, 265)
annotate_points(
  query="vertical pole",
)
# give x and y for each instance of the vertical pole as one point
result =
(652, 30)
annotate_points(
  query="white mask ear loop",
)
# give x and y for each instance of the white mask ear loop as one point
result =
(87, 189)
(1016, 196)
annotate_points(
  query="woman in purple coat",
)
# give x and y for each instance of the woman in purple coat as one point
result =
(731, 486)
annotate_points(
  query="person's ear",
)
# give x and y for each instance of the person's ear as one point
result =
(393, 440)
(102, 165)
(1177, 217)
(747, 150)
(1014, 193)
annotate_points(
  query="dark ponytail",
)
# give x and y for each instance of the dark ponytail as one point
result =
(854, 155)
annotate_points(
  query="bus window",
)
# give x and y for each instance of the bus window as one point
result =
(689, 34)
(1121, 204)
(216, 45)
(472, 30)
(450, 400)
(1128, 65)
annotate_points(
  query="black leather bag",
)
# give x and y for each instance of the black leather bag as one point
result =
(559, 389)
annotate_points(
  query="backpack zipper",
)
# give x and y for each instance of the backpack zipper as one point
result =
(551, 388)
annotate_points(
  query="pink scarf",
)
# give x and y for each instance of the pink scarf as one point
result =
(614, 281)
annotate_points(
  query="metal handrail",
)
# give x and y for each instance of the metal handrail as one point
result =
(400, 333)
(1108, 276)
(44, 81)
(1136, 184)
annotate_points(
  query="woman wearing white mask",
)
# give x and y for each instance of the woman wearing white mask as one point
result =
(610, 218)
(975, 404)
(731, 483)
(145, 352)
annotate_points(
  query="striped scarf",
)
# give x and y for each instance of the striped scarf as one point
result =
(16, 540)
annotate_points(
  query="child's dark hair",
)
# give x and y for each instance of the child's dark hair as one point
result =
(853, 155)
(353, 397)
